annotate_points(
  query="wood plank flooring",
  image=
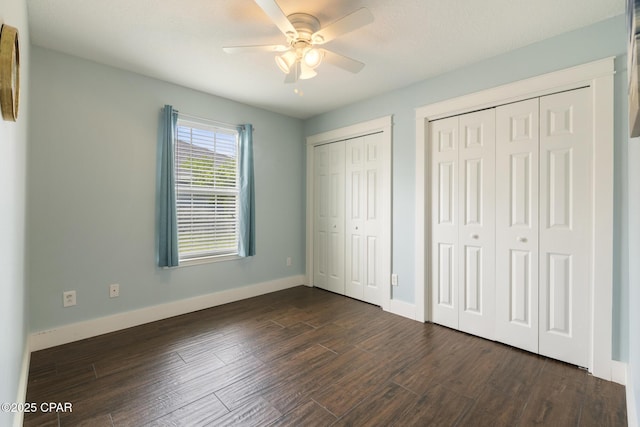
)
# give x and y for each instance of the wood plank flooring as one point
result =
(306, 357)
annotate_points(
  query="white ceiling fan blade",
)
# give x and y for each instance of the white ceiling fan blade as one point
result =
(343, 62)
(256, 48)
(278, 17)
(344, 25)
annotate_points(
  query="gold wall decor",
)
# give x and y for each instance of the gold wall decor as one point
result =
(9, 72)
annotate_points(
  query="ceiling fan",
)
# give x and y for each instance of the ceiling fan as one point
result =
(301, 55)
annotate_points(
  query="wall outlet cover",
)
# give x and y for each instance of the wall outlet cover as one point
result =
(114, 290)
(68, 298)
(394, 280)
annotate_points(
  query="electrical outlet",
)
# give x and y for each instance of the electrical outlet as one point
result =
(394, 279)
(114, 290)
(288, 261)
(68, 298)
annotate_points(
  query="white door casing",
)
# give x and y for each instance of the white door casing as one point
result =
(517, 145)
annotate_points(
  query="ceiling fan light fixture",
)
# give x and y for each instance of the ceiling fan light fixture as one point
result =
(285, 61)
(312, 57)
(306, 72)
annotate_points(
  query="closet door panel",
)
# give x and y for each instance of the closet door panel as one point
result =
(565, 224)
(321, 216)
(444, 214)
(520, 304)
(336, 218)
(372, 190)
(516, 255)
(476, 223)
(355, 277)
(363, 222)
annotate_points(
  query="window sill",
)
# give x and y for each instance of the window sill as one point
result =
(208, 260)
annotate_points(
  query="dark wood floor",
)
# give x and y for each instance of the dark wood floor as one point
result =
(306, 357)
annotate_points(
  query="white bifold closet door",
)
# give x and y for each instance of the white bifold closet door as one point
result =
(517, 164)
(463, 231)
(444, 230)
(511, 217)
(543, 222)
(363, 222)
(348, 217)
(329, 217)
(565, 225)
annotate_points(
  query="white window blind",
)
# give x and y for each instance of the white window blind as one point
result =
(206, 178)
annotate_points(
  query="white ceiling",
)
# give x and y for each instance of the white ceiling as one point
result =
(410, 40)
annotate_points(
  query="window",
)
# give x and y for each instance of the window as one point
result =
(207, 190)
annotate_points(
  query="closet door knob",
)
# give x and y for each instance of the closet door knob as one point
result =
(522, 239)
(474, 236)
(356, 227)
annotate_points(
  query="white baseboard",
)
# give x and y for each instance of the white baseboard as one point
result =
(632, 409)
(91, 328)
(619, 372)
(402, 308)
(22, 385)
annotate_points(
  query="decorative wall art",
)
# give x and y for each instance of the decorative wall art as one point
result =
(9, 72)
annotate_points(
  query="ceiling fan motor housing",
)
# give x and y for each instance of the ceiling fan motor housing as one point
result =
(305, 25)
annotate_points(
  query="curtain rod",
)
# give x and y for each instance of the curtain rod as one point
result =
(204, 119)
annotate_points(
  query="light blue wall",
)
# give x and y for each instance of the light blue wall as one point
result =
(604, 39)
(92, 183)
(92, 186)
(13, 172)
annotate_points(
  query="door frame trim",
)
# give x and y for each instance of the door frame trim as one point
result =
(598, 76)
(382, 124)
